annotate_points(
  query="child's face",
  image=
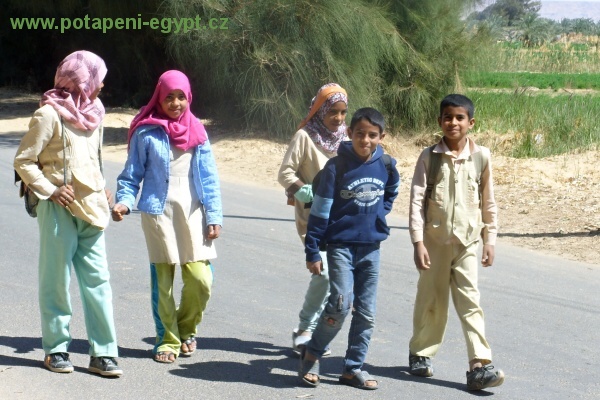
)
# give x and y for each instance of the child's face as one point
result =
(174, 104)
(365, 137)
(96, 92)
(336, 116)
(455, 123)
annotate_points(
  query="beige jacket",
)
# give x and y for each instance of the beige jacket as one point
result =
(302, 160)
(43, 143)
(454, 214)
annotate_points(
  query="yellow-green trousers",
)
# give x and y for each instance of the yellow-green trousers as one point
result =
(177, 324)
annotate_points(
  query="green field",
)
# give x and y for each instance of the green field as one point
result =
(537, 123)
(557, 58)
(512, 80)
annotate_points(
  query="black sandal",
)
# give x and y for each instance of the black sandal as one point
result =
(359, 381)
(308, 367)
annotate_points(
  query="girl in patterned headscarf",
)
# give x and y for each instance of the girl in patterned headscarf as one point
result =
(59, 159)
(326, 130)
(317, 139)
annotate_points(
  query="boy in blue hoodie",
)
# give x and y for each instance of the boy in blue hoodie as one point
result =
(355, 193)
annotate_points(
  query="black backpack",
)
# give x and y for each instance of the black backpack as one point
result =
(340, 170)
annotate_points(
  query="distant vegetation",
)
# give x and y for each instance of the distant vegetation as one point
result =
(527, 124)
(526, 52)
(401, 56)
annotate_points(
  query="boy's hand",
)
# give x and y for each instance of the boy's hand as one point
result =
(315, 267)
(487, 257)
(213, 231)
(421, 256)
(119, 211)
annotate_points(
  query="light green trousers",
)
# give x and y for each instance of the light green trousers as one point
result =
(65, 241)
(453, 271)
(177, 324)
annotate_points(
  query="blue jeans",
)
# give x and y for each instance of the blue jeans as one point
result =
(353, 277)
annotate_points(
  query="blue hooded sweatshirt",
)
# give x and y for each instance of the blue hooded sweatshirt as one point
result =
(353, 212)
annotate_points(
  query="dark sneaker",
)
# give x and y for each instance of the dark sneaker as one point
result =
(483, 377)
(105, 366)
(58, 362)
(420, 365)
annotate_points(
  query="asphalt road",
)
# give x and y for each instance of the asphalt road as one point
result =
(542, 316)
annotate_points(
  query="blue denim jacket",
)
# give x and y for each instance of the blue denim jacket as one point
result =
(148, 161)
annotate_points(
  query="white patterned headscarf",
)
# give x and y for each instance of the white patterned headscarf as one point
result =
(78, 76)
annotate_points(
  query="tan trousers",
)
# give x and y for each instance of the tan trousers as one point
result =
(453, 270)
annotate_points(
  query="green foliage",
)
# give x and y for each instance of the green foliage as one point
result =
(275, 54)
(542, 125)
(513, 80)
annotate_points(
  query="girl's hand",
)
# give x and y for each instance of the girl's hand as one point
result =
(63, 195)
(213, 231)
(119, 211)
(109, 197)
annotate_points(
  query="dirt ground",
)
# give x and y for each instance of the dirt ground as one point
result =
(550, 205)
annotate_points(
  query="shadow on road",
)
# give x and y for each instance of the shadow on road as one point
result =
(24, 345)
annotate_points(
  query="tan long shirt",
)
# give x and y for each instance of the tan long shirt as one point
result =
(489, 212)
(43, 143)
(302, 160)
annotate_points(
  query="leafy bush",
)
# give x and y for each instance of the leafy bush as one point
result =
(275, 54)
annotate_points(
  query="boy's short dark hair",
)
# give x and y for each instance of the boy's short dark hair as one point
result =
(371, 115)
(458, 100)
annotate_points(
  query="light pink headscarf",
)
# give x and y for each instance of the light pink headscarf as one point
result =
(185, 132)
(77, 77)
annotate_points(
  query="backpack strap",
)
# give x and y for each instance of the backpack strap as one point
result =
(481, 162)
(435, 162)
(387, 161)
(340, 169)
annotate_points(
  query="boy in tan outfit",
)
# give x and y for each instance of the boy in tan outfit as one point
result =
(446, 223)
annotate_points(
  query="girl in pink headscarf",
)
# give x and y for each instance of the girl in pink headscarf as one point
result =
(60, 160)
(180, 201)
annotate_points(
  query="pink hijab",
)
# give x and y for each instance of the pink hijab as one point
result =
(77, 77)
(185, 132)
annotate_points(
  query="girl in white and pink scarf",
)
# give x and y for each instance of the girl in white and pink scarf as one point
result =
(77, 82)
